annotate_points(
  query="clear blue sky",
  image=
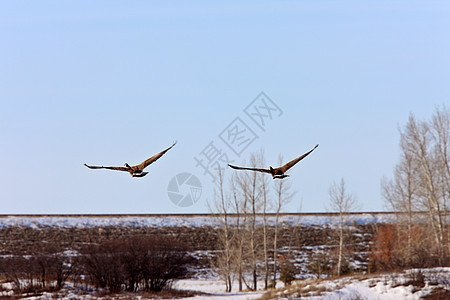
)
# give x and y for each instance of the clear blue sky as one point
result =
(109, 82)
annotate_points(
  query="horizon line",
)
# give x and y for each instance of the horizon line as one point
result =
(197, 214)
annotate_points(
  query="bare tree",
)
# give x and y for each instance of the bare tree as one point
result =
(246, 245)
(440, 132)
(222, 206)
(241, 219)
(422, 147)
(246, 200)
(261, 203)
(422, 179)
(341, 202)
(252, 193)
(266, 200)
(401, 195)
(283, 195)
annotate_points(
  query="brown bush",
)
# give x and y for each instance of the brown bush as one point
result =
(287, 271)
(382, 255)
(390, 249)
(139, 263)
(50, 264)
(319, 264)
(102, 266)
(45, 270)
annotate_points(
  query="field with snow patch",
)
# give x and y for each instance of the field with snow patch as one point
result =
(303, 234)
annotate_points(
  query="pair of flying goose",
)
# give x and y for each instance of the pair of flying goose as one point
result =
(138, 170)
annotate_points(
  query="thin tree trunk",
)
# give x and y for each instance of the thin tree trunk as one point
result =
(239, 234)
(253, 233)
(275, 250)
(341, 244)
(266, 256)
(275, 237)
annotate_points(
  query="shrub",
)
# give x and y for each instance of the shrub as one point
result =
(416, 279)
(319, 264)
(287, 272)
(103, 267)
(45, 270)
(139, 263)
(51, 265)
(345, 263)
(389, 250)
(382, 255)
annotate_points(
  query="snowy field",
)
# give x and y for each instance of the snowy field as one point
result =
(409, 285)
(181, 220)
(207, 285)
(395, 286)
(216, 289)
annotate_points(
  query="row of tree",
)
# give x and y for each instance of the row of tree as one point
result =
(248, 246)
(147, 263)
(419, 191)
(249, 241)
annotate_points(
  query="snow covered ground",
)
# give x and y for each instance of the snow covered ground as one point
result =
(408, 285)
(215, 289)
(206, 289)
(380, 287)
(180, 220)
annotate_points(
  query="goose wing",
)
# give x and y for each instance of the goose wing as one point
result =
(294, 161)
(109, 168)
(249, 169)
(152, 159)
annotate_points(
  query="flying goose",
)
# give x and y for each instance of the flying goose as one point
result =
(135, 171)
(277, 173)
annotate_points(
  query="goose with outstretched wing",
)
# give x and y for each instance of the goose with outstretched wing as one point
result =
(277, 173)
(137, 170)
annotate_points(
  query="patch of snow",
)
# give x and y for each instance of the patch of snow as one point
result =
(385, 287)
(215, 289)
(37, 222)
